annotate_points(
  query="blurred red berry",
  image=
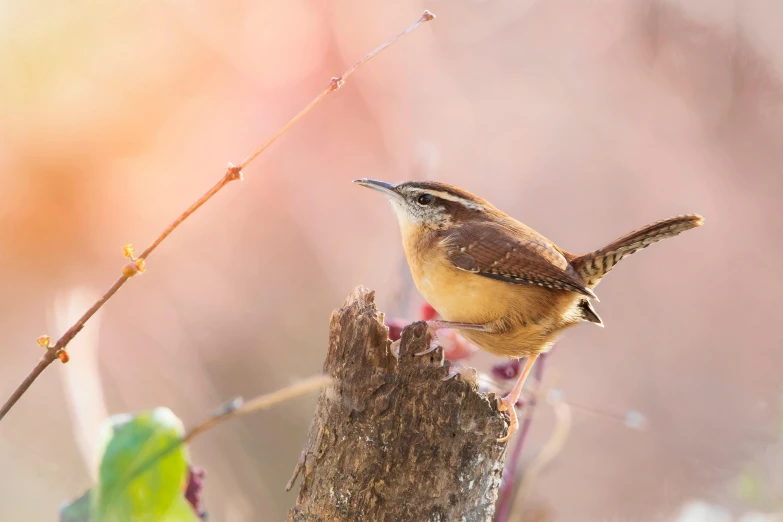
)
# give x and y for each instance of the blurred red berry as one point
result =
(455, 347)
(427, 312)
(395, 328)
(506, 371)
(193, 489)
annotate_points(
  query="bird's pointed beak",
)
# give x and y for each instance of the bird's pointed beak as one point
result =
(388, 189)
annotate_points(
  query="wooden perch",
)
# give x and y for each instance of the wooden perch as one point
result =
(392, 441)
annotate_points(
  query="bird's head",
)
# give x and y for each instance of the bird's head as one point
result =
(429, 204)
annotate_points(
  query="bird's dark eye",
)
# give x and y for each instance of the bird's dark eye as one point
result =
(425, 199)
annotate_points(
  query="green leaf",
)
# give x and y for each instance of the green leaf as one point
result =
(181, 511)
(143, 470)
(78, 510)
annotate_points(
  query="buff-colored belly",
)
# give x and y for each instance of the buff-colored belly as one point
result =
(525, 319)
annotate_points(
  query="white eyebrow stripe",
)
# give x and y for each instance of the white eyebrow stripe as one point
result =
(451, 197)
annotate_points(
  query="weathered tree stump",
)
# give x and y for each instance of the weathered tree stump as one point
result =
(392, 441)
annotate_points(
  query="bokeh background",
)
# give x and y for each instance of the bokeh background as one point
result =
(583, 119)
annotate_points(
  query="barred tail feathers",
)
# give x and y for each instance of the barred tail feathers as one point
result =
(595, 265)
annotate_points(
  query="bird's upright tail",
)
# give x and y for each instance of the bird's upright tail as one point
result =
(595, 265)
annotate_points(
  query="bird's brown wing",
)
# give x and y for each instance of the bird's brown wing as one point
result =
(497, 252)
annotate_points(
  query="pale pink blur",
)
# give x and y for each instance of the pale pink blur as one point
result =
(584, 119)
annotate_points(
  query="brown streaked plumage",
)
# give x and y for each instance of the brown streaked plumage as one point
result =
(504, 286)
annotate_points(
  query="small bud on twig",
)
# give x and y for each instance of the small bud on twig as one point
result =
(46, 342)
(131, 269)
(136, 266)
(234, 173)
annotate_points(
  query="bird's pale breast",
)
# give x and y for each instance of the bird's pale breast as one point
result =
(524, 319)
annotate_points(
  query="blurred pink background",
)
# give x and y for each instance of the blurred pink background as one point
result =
(582, 119)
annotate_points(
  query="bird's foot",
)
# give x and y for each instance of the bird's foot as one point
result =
(395, 348)
(453, 372)
(437, 325)
(466, 374)
(508, 404)
(432, 348)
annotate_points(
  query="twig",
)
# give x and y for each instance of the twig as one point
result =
(632, 419)
(507, 489)
(235, 408)
(82, 386)
(238, 407)
(550, 450)
(233, 173)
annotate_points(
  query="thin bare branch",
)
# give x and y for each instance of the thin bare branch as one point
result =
(54, 352)
(507, 489)
(335, 84)
(550, 450)
(233, 173)
(238, 407)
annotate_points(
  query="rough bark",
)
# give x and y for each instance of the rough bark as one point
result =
(392, 441)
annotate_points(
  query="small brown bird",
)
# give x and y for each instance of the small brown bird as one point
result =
(501, 284)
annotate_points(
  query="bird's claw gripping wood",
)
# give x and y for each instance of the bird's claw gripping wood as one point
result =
(395, 348)
(509, 402)
(506, 404)
(466, 374)
(434, 326)
(453, 372)
(432, 348)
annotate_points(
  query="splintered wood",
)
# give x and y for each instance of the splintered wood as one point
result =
(391, 440)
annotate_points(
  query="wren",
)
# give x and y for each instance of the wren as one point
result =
(501, 284)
